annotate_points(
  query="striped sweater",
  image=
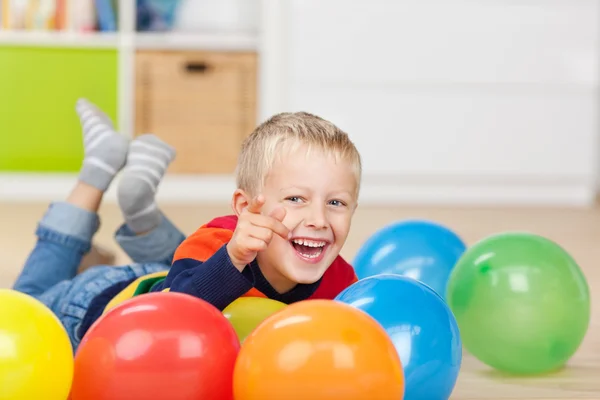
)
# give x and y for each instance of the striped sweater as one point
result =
(202, 268)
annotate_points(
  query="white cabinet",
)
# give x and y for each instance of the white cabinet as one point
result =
(495, 97)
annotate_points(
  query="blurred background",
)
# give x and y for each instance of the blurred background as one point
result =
(449, 102)
(481, 115)
(455, 104)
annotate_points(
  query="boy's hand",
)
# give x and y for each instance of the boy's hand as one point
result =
(254, 232)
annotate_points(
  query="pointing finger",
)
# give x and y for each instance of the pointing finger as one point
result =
(256, 204)
(278, 213)
(267, 221)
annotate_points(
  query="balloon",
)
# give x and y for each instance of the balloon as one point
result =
(157, 346)
(36, 356)
(318, 349)
(422, 250)
(421, 326)
(246, 313)
(521, 302)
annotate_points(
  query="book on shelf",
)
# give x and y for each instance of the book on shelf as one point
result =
(59, 15)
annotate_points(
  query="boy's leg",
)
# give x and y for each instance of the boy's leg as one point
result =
(71, 300)
(155, 246)
(66, 230)
(64, 235)
(147, 235)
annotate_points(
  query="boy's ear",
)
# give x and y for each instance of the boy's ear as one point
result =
(239, 201)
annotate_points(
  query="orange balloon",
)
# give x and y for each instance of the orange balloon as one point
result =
(317, 350)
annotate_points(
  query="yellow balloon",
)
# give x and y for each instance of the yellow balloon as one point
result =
(246, 313)
(36, 357)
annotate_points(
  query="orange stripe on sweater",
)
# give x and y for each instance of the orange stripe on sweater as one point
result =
(205, 242)
(202, 244)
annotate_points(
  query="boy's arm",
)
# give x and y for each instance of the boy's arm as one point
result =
(215, 280)
(219, 280)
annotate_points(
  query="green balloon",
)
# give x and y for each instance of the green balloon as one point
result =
(521, 302)
(246, 313)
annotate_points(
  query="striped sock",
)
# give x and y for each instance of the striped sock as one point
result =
(147, 161)
(105, 150)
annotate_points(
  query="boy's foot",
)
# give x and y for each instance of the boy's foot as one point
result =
(105, 149)
(147, 161)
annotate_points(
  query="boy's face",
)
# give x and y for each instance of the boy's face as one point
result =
(319, 196)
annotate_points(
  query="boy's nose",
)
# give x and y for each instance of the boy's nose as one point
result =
(316, 217)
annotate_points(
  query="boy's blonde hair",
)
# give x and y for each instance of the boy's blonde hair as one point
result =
(291, 130)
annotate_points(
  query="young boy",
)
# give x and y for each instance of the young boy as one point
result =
(298, 179)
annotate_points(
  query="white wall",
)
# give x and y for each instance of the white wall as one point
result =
(465, 101)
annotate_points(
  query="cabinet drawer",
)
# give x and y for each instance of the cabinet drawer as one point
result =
(202, 103)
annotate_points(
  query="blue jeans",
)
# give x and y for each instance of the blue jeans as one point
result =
(64, 237)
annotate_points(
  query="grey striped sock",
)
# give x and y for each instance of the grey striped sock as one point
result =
(105, 150)
(147, 161)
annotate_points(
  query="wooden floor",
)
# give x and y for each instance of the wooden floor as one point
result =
(576, 230)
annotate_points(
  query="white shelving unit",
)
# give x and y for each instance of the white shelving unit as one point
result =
(46, 187)
(127, 40)
(198, 41)
(231, 41)
(59, 39)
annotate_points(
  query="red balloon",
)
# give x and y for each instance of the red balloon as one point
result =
(157, 346)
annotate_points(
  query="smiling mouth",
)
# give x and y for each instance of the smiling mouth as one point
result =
(310, 250)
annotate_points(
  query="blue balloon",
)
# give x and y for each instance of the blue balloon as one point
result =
(421, 326)
(422, 250)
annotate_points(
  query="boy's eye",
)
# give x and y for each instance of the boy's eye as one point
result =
(337, 203)
(294, 199)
